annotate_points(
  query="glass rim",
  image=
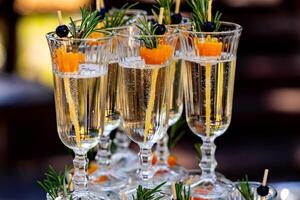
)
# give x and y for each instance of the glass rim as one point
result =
(258, 184)
(238, 28)
(138, 36)
(53, 37)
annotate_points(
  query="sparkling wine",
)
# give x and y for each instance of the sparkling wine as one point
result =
(176, 91)
(144, 102)
(210, 94)
(79, 109)
(112, 118)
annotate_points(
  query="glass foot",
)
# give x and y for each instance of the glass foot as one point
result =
(169, 174)
(209, 189)
(88, 196)
(108, 181)
(125, 161)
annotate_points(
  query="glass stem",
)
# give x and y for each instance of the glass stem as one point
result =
(122, 141)
(103, 156)
(80, 178)
(208, 162)
(162, 151)
(145, 172)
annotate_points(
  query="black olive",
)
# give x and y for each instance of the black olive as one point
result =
(62, 31)
(262, 190)
(209, 27)
(160, 29)
(101, 13)
(176, 18)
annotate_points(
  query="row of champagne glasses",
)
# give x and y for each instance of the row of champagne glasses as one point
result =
(144, 95)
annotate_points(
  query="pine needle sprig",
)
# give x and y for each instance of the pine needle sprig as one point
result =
(200, 14)
(167, 5)
(119, 17)
(147, 29)
(244, 189)
(89, 22)
(148, 194)
(55, 183)
(181, 192)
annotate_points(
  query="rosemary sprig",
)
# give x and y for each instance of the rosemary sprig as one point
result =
(148, 194)
(89, 22)
(119, 18)
(200, 15)
(167, 5)
(181, 192)
(147, 29)
(55, 183)
(244, 189)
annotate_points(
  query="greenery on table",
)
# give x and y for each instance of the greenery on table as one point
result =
(245, 189)
(55, 183)
(148, 194)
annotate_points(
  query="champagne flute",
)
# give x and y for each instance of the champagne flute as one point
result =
(80, 76)
(143, 91)
(105, 178)
(210, 59)
(165, 172)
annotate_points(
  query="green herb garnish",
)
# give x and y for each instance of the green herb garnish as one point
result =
(244, 189)
(167, 5)
(200, 16)
(181, 192)
(147, 29)
(88, 25)
(118, 18)
(55, 183)
(148, 194)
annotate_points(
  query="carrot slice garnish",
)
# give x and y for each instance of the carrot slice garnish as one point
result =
(208, 47)
(156, 56)
(172, 161)
(68, 61)
(92, 168)
(101, 179)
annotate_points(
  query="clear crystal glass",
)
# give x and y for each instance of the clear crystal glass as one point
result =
(236, 195)
(164, 172)
(80, 78)
(143, 91)
(210, 59)
(105, 178)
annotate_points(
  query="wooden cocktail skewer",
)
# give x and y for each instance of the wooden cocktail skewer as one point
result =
(98, 5)
(152, 91)
(263, 189)
(177, 6)
(102, 4)
(123, 196)
(265, 179)
(209, 15)
(174, 191)
(72, 107)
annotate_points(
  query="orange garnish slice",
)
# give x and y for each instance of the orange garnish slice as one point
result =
(68, 61)
(209, 47)
(172, 161)
(101, 179)
(158, 55)
(92, 168)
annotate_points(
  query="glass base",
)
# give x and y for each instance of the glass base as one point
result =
(169, 174)
(209, 189)
(125, 161)
(88, 196)
(108, 181)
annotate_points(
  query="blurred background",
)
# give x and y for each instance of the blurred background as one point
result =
(264, 131)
